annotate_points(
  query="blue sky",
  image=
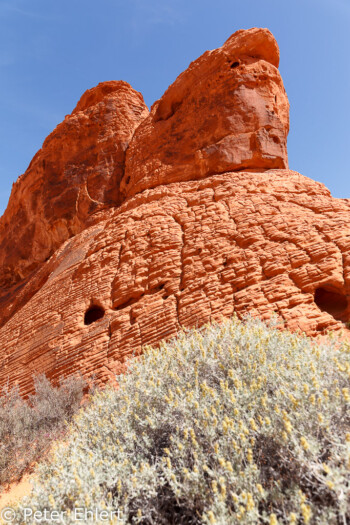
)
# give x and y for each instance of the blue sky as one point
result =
(51, 51)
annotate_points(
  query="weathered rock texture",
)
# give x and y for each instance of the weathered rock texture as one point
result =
(188, 244)
(227, 112)
(76, 173)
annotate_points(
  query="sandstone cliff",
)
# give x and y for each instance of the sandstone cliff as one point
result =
(76, 173)
(129, 225)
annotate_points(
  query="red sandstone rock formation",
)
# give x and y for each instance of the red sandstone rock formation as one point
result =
(180, 243)
(76, 173)
(227, 112)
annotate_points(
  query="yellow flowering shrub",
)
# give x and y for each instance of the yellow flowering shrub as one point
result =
(237, 422)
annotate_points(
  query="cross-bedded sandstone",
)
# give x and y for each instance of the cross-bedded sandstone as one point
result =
(178, 217)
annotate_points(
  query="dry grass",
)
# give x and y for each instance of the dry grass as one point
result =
(28, 427)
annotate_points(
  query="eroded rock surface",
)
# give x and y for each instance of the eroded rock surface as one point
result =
(182, 255)
(227, 112)
(76, 173)
(180, 243)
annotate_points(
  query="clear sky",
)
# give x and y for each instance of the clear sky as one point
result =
(51, 51)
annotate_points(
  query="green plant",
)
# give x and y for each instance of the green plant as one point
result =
(233, 423)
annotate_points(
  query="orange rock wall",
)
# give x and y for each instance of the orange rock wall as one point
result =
(183, 255)
(76, 173)
(155, 237)
(227, 112)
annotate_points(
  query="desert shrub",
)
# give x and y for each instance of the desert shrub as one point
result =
(27, 427)
(233, 423)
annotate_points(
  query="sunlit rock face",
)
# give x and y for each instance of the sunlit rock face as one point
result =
(130, 225)
(76, 173)
(227, 112)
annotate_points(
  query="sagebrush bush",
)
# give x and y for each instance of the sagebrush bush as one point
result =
(233, 423)
(27, 427)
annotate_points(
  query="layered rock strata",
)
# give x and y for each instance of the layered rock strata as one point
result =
(198, 218)
(76, 173)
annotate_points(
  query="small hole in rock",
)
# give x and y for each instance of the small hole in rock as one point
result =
(94, 313)
(234, 65)
(127, 180)
(275, 99)
(334, 303)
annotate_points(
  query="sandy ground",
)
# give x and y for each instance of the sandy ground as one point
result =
(14, 493)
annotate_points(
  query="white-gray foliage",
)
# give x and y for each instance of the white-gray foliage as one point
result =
(233, 423)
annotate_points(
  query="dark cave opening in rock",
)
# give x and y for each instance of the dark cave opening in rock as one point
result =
(334, 303)
(94, 313)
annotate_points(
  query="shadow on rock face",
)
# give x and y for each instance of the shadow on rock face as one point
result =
(333, 302)
(75, 174)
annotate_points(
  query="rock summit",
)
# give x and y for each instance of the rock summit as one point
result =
(130, 224)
